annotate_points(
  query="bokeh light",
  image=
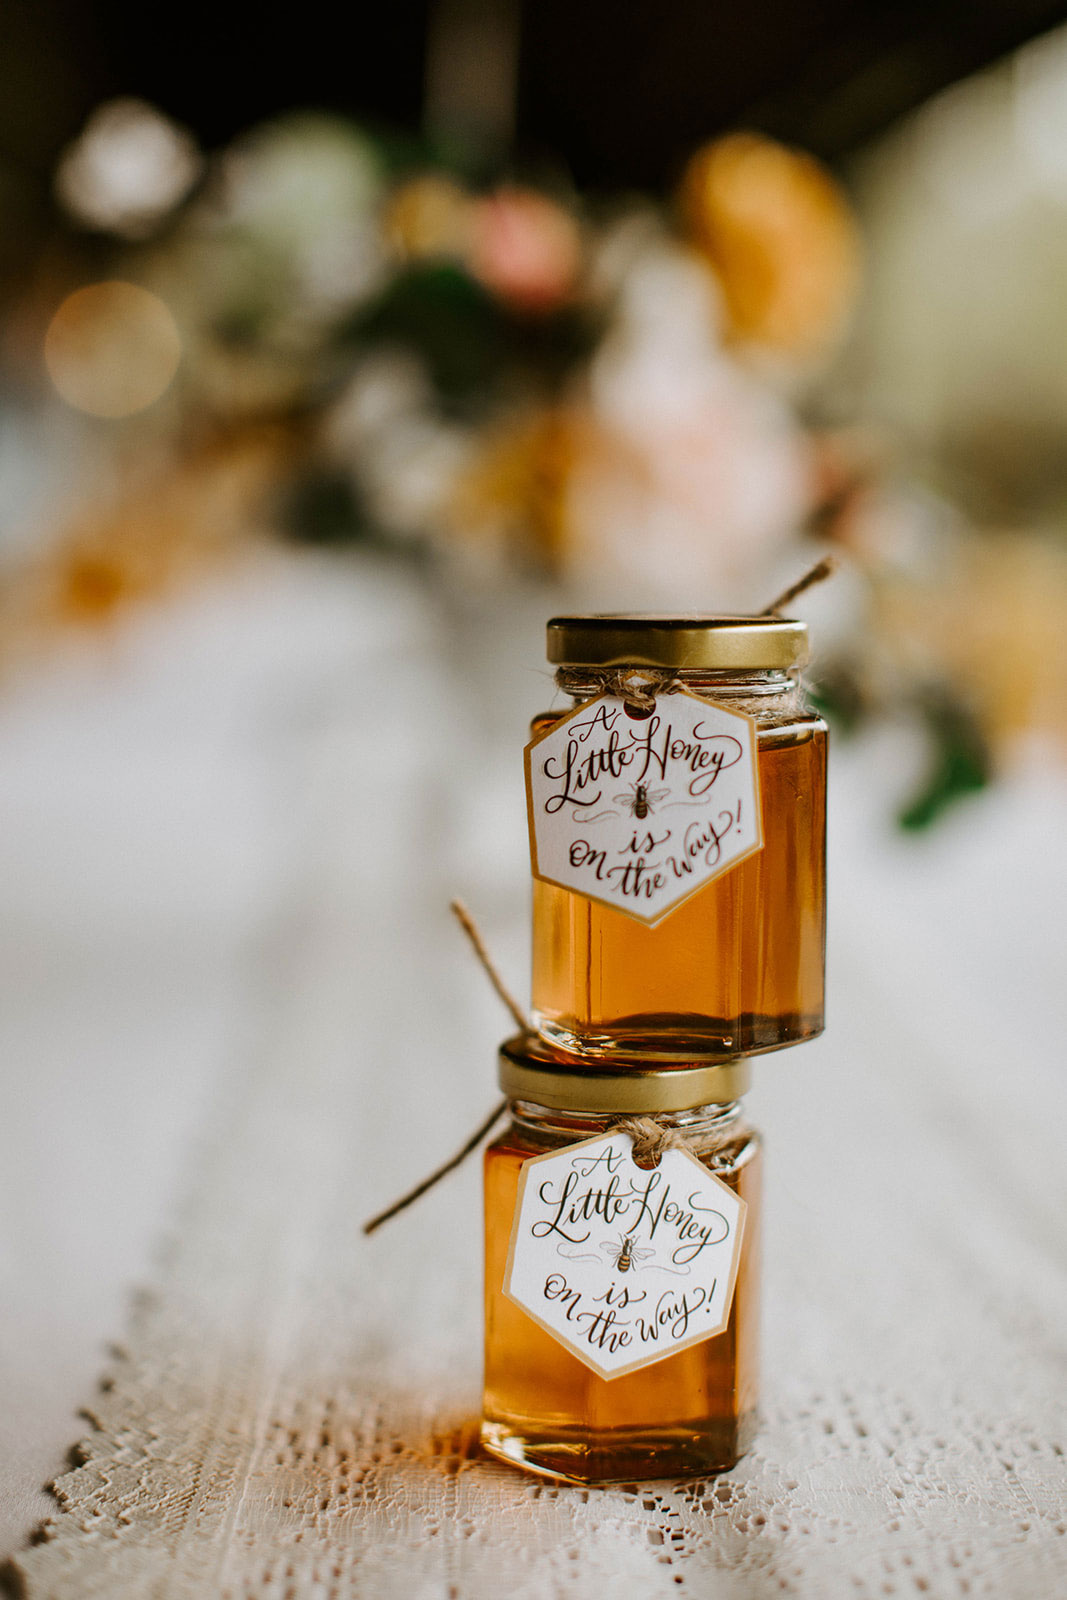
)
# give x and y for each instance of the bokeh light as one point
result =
(112, 349)
(128, 170)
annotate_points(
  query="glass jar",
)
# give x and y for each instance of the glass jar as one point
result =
(738, 966)
(545, 1410)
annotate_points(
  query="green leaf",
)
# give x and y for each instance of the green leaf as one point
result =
(960, 761)
(440, 313)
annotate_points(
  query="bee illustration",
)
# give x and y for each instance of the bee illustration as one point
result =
(626, 1254)
(641, 800)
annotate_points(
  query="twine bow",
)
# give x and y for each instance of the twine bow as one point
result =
(638, 687)
(650, 1139)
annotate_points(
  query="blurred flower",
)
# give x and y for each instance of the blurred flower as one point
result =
(618, 249)
(525, 248)
(994, 628)
(676, 474)
(303, 193)
(251, 347)
(781, 238)
(164, 525)
(284, 244)
(112, 349)
(128, 170)
(385, 388)
(429, 216)
(700, 473)
(514, 493)
(404, 458)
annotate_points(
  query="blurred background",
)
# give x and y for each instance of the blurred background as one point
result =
(507, 301)
(334, 360)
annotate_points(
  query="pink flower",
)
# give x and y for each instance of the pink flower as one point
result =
(525, 248)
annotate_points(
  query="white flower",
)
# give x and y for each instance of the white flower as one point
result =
(128, 169)
(304, 192)
(705, 473)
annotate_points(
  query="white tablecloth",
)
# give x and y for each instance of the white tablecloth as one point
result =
(237, 1019)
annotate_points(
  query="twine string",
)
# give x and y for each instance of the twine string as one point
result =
(638, 687)
(467, 923)
(817, 574)
(470, 928)
(650, 1138)
(480, 1133)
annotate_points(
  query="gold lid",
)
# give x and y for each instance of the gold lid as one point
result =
(530, 1071)
(688, 640)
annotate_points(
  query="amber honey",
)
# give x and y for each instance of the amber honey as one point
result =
(548, 1412)
(737, 968)
(644, 1026)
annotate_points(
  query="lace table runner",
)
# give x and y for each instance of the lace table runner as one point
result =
(295, 1413)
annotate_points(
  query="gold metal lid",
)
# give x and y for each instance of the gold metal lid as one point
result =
(688, 640)
(530, 1071)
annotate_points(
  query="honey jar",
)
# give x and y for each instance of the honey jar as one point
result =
(677, 811)
(621, 1299)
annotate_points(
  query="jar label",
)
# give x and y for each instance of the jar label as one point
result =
(624, 1265)
(641, 809)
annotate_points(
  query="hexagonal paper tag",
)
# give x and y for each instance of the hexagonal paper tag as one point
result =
(623, 1265)
(638, 810)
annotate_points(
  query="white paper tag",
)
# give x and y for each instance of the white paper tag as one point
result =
(640, 811)
(623, 1265)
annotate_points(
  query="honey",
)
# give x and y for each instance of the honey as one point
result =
(736, 969)
(677, 832)
(546, 1410)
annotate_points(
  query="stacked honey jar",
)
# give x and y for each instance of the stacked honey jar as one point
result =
(677, 829)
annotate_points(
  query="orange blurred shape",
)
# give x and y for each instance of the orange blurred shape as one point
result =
(428, 216)
(995, 629)
(781, 237)
(112, 349)
(515, 491)
(163, 527)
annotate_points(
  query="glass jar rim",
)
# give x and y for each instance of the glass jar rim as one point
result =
(696, 1122)
(681, 640)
